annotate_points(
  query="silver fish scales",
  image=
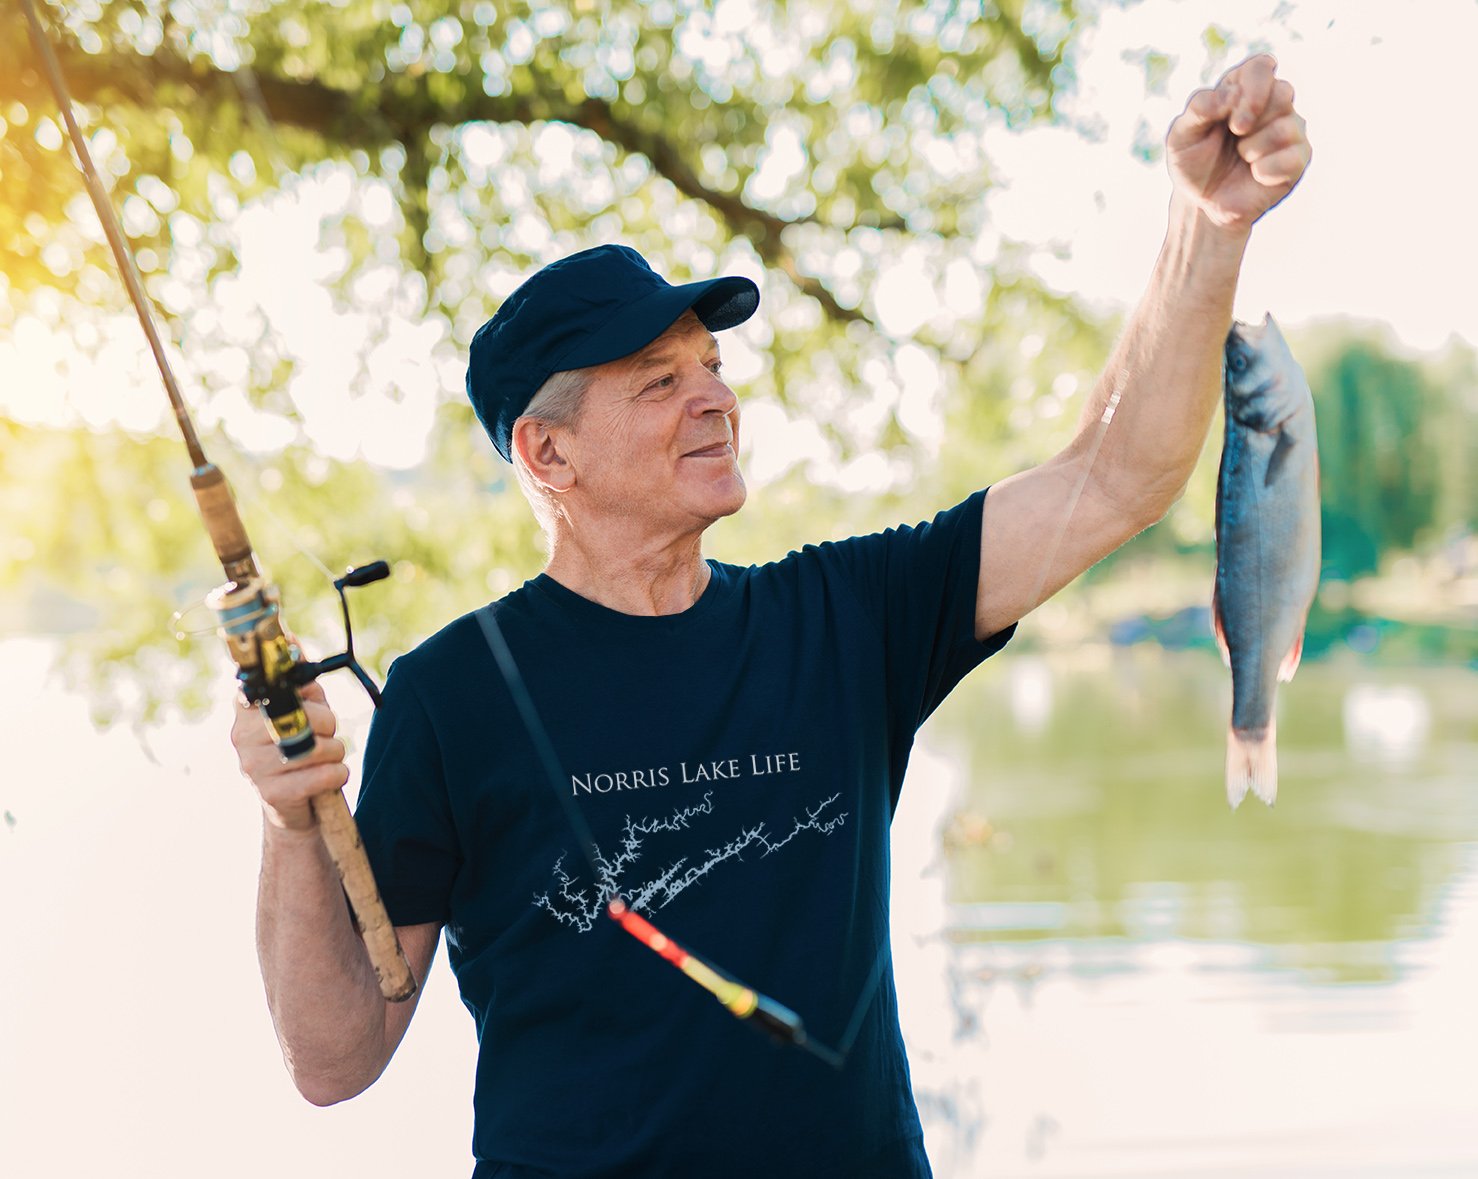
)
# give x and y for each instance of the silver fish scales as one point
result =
(1267, 543)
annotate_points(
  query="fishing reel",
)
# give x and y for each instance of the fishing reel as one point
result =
(270, 666)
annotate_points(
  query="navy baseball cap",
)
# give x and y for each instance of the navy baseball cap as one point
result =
(592, 307)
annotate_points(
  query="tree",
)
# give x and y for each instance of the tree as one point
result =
(463, 144)
(673, 101)
(1394, 444)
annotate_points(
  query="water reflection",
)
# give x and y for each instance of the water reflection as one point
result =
(1130, 979)
(1029, 681)
(1389, 723)
(1108, 821)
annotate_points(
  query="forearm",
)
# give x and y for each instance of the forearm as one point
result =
(321, 989)
(1162, 383)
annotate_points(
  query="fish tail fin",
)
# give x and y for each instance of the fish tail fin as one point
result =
(1290, 661)
(1252, 763)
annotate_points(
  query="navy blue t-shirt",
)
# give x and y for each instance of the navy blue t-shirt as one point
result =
(738, 765)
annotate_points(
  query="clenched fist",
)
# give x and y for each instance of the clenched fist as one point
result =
(1238, 149)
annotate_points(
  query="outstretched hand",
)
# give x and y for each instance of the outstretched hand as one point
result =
(1238, 149)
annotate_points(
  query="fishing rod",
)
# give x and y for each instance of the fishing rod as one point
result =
(269, 665)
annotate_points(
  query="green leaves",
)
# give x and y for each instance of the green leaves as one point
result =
(883, 98)
(444, 150)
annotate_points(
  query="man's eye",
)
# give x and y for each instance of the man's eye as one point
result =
(716, 367)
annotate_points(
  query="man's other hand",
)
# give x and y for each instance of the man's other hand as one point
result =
(285, 786)
(1238, 149)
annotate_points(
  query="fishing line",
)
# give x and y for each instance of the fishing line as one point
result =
(543, 745)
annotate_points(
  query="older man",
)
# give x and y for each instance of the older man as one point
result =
(732, 740)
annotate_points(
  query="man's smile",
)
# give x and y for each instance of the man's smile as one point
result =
(717, 450)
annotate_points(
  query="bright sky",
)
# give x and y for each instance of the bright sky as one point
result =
(1382, 225)
(1380, 229)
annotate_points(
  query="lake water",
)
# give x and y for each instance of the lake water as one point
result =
(1106, 971)
(1103, 971)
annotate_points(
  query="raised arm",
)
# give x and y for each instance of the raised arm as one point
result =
(336, 1030)
(1234, 153)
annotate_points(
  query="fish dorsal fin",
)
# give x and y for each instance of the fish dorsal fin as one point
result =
(1216, 625)
(1290, 661)
(1279, 458)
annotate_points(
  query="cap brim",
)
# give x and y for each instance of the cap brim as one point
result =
(718, 302)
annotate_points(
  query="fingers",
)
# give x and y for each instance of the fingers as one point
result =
(321, 717)
(1278, 136)
(261, 759)
(1204, 112)
(1246, 98)
(287, 786)
(1279, 123)
(1252, 83)
(251, 729)
(1283, 167)
(1277, 149)
(1280, 102)
(1278, 108)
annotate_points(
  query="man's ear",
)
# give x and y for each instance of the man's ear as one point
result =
(542, 452)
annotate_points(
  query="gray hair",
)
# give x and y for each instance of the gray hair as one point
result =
(557, 403)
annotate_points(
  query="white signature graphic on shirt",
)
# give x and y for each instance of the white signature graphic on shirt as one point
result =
(580, 906)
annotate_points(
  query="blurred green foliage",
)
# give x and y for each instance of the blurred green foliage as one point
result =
(1397, 446)
(470, 142)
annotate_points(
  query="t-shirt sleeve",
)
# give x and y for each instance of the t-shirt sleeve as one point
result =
(921, 584)
(404, 814)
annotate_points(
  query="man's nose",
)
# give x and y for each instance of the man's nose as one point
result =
(714, 396)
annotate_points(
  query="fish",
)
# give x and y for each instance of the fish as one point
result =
(1267, 543)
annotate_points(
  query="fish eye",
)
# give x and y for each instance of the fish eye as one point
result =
(1237, 361)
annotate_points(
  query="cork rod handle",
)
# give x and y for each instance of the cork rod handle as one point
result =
(341, 837)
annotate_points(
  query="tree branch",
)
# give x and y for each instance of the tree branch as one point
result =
(401, 111)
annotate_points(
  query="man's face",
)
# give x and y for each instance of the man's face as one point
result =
(658, 434)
